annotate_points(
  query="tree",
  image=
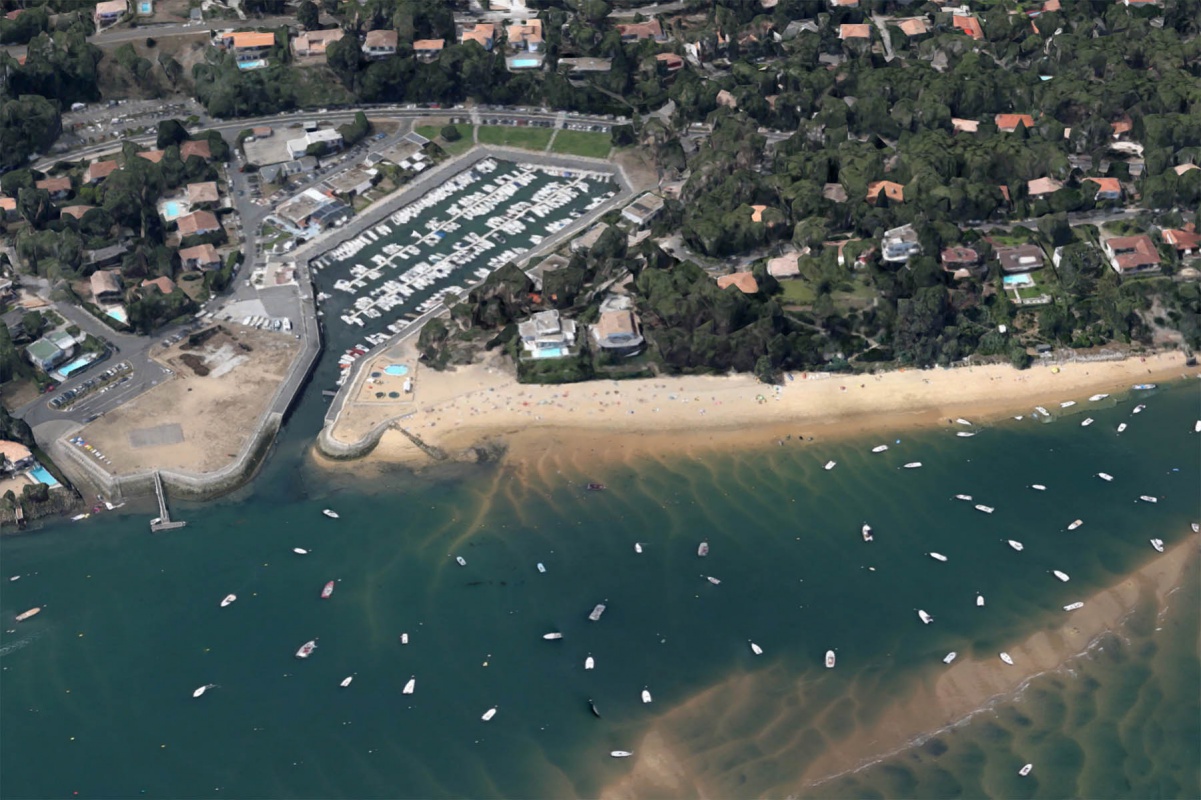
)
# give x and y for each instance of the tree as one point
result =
(343, 57)
(34, 324)
(28, 125)
(307, 15)
(170, 131)
(450, 133)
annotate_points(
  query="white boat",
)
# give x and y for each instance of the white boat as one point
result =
(1042, 411)
(589, 663)
(1067, 404)
(1038, 487)
(924, 617)
(1086, 422)
(1024, 771)
(410, 686)
(331, 514)
(1073, 606)
(1157, 544)
(966, 434)
(229, 598)
(756, 649)
(541, 567)
(550, 637)
(966, 497)
(1121, 427)
(1197, 426)
(1005, 657)
(985, 509)
(489, 714)
(203, 689)
(830, 464)
(1146, 498)
(1138, 409)
(867, 532)
(307, 649)
(829, 659)
(404, 638)
(912, 465)
(346, 681)
(949, 657)
(621, 753)
(646, 695)
(637, 547)
(937, 556)
(1097, 397)
(880, 448)
(702, 549)
(15, 578)
(1016, 545)
(712, 580)
(1105, 476)
(1196, 527)
(596, 612)
(1074, 524)
(963, 421)
(461, 561)
(300, 551)
(1063, 576)
(979, 601)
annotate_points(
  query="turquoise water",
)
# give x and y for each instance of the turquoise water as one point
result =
(252, 64)
(396, 369)
(74, 366)
(132, 624)
(1017, 280)
(549, 352)
(42, 475)
(170, 210)
(118, 313)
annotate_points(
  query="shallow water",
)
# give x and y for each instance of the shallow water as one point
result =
(132, 625)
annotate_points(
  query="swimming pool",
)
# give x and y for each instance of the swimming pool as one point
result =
(118, 313)
(74, 366)
(550, 352)
(171, 210)
(42, 475)
(252, 64)
(1017, 280)
(519, 63)
(396, 369)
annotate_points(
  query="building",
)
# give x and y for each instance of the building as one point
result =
(203, 193)
(546, 336)
(914, 26)
(584, 243)
(326, 136)
(643, 209)
(198, 223)
(618, 330)
(45, 354)
(98, 171)
(14, 456)
(844, 3)
(379, 43)
(104, 257)
(895, 192)
(1008, 123)
(109, 12)
(162, 283)
(153, 156)
(638, 31)
(1180, 169)
(195, 147)
(8, 208)
(106, 286)
(726, 100)
(785, 266)
(898, 245)
(1041, 187)
(248, 45)
(1186, 242)
(1107, 188)
(854, 31)
(670, 62)
(583, 65)
(427, 49)
(1023, 258)
(313, 208)
(202, 257)
(483, 34)
(969, 25)
(357, 181)
(1132, 255)
(526, 35)
(959, 261)
(57, 187)
(742, 281)
(314, 43)
(75, 211)
(965, 125)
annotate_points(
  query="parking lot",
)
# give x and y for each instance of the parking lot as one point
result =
(114, 376)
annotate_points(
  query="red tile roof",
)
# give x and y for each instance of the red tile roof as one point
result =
(743, 281)
(848, 31)
(1010, 122)
(969, 25)
(893, 191)
(1182, 240)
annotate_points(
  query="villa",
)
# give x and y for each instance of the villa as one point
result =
(638, 31)
(56, 187)
(545, 335)
(98, 171)
(1023, 258)
(381, 44)
(198, 223)
(195, 147)
(106, 287)
(526, 35)
(109, 12)
(483, 34)
(315, 43)
(900, 244)
(618, 331)
(202, 193)
(428, 49)
(1008, 123)
(1107, 188)
(742, 281)
(1132, 255)
(14, 456)
(202, 257)
(895, 192)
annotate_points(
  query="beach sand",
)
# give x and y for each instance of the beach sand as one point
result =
(576, 425)
(772, 734)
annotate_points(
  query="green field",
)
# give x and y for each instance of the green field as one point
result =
(433, 133)
(514, 136)
(582, 143)
(798, 292)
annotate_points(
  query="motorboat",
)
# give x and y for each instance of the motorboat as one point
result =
(1007, 659)
(329, 513)
(1063, 576)
(985, 509)
(596, 487)
(879, 448)
(306, 649)
(550, 637)
(1097, 397)
(646, 695)
(1156, 543)
(912, 465)
(867, 532)
(229, 598)
(937, 556)
(1067, 404)
(1146, 498)
(489, 714)
(404, 638)
(1024, 771)
(965, 497)
(962, 421)
(637, 547)
(949, 657)
(328, 590)
(595, 711)
(830, 465)
(1042, 411)
(1121, 427)
(462, 562)
(300, 551)
(979, 601)
(1038, 487)
(712, 580)
(703, 549)
(589, 663)
(1073, 606)
(829, 659)
(1074, 524)
(596, 612)
(621, 753)
(1197, 426)
(14, 578)
(1196, 527)
(1143, 387)
(924, 617)
(541, 567)
(1138, 409)
(200, 692)
(410, 686)
(346, 681)
(756, 649)
(1087, 422)
(33, 612)
(966, 434)
(1016, 545)
(1105, 476)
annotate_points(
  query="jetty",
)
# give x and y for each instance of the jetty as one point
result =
(163, 521)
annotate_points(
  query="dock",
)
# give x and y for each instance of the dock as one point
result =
(163, 521)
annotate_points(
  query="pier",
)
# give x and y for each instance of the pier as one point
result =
(163, 521)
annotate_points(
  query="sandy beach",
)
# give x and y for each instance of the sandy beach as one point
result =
(581, 424)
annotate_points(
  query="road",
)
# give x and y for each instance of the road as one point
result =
(1074, 218)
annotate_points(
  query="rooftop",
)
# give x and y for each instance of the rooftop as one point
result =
(428, 45)
(895, 192)
(14, 452)
(197, 222)
(1022, 258)
(203, 192)
(743, 281)
(1132, 253)
(1041, 186)
(195, 147)
(852, 31)
(381, 39)
(75, 211)
(914, 26)
(249, 39)
(202, 253)
(99, 170)
(1009, 122)
(1107, 185)
(969, 25)
(162, 283)
(784, 266)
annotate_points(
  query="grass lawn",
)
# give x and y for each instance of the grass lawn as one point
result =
(582, 143)
(514, 136)
(798, 292)
(434, 134)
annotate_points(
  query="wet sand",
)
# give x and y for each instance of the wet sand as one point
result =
(769, 733)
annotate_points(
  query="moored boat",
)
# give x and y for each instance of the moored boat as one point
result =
(1067, 404)
(712, 580)
(937, 556)
(1097, 397)
(966, 434)
(637, 547)
(541, 567)
(553, 635)
(962, 421)
(646, 695)
(1038, 487)
(1121, 427)
(329, 513)
(924, 617)
(1073, 606)
(829, 659)
(867, 532)
(595, 711)
(1156, 543)
(1105, 476)
(1142, 387)
(1146, 498)
(410, 687)
(589, 663)
(200, 692)
(229, 598)
(1195, 526)
(1074, 524)
(1063, 576)
(912, 465)
(346, 681)
(596, 487)
(33, 612)
(1007, 659)
(596, 612)
(756, 649)
(830, 465)
(880, 448)
(1042, 411)
(703, 549)
(307, 649)
(621, 753)
(949, 657)
(979, 601)
(1016, 545)
(300, 551)
(1138, 409)
(985, 509)
(462, 562)
(1086, 422)
(966, 497)
(489, 714)
(328, 590)
(1024, 771)
(404, 638)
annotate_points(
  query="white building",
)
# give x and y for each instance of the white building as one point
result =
(900, 244)
(545, 335)
(327, 136)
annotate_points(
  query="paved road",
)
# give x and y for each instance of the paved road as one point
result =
(1075, 218)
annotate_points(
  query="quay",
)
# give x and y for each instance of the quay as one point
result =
(163, 521)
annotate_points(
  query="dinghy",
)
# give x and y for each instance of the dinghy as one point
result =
(949, 657)
(1016, 545)
(924, 617)
(1063, 576)
(346, 681)
(1005, 657)
(1086, 422)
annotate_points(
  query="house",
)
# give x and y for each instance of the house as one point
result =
(57, 187)
(248, 45)
(545, 335)
(618, 330)
(1008, 123)
(8, 208)
(1122, 126)
(379, 44)
(834, 192)
(162, 283)
(198, 223)
(326, 136)
(726, 100)
(1107, 188)
(585, 243)
(959, 261)
(14, 456)
(898, 245)
(428, 49)
(742, 281)
(1023, 258)
(75, 211)
(106, 286)
(584, 65)
(965, 125)
(45, 354)
(638, 31)
(195, 147)
(785, 266)
(969, 25)
(526, 35)
(109, 12)
(483, 34)
(357, 181)
(895, 192)
(98, 171)
(1180, 169)
(1131, 255)
(314, 43)
(104, 257)
(670, 62)
(202, 257)
(643, 209)
(153, 156)
(757, 213)
(1187, 242)
(1041, 187)
(848, 31)
(845, 3)
(201, 193)
(914, 26)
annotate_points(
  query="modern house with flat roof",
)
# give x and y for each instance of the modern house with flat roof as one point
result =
(327, 136)
(900, 244)
(643, 209)
(45, 354)
(1023, 258)
(618, 331)
(545, 335)
(109, 12)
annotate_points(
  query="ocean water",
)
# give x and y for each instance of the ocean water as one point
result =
(95, 692)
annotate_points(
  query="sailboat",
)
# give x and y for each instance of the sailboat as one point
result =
(1007, 659)
(867, 532)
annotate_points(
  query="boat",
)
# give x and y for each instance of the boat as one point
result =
(985, 509)
(1073, 606)
(306, 649)
(1067, 404)
(331, 514)
(327, 591)
(879, 448)
(1146, 498)
(33, 612)
(966, 497)
(346, 681)
(924, 617)
(830, 465)
(1042, 411)
(979, 601)
(712, 580)
(1197, 426)
(1138, 409)
(462, 562)
(1074, 524)
(404, 638)
(229, 598)
(410, 686)
(1063, 576)
(1121, 427)
(1143, 387)
(300, 551)
(621, 753)
(646, 695)
(1024, 771)
(596, 612)
(14, 578)
(1105, 476)
(937, 556)
(589, 663)
(1086, 422)
(867, 532)
(703, 549)
(829, 659)
(1196, 528)
(595, 711)
(637, 547)
(596, 487)
(550, 637)
(1038, 487)
(541, 567)
(489, 714)
(1005, 657)
(949, 657)
(1016, 545)
(1156, 543)
(962, 421)
(966, 434)
(756, 649)
(199, 692)
(1097, 397)
(912, 465)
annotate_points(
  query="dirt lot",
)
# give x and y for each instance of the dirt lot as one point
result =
(200, 418)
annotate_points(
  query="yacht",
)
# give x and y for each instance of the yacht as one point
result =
(756, 649)
(830, 464)
(637, 547)
(1006, 658)
(489, 714)
(829, 659)
(913, 465)
(331, 514)
(229, 598)
(703, 549)
(979, 601)
(1105, 476)
(879, 448)
(937, 556)
(1138, 409)
(404, 638)
(346, 681)
(1097, 397)
(1146, 498)
(462, 562)
(1024, 771)
(410, 686)
(966, 434)
(550, 637)
(1042, 411)
(1121, 427)
(541, 567)
(966, 497)
(1074, 524)
(646, 695)
(1063, 576)
(300, 551)
(307, 649)
(1038, 487)
(327, 591)
(1016, 545)
(949, 657)
(712, 580)
(1142, 387)
(867, 532)
(924, 617)
(985, 509)
(962, 421)
(589, 663)
(203, 689)
(1067, 404)
(1157, 544)
(621, 753)
(1086, 422)
(596, 612)
(1073, 606)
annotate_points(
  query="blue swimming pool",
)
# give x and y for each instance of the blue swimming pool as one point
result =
(42, 475)
(171, 210)
(524, 62)
(252, 64)
(550, 352)
(1017, 280)
(118, 313)
(396, 369)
